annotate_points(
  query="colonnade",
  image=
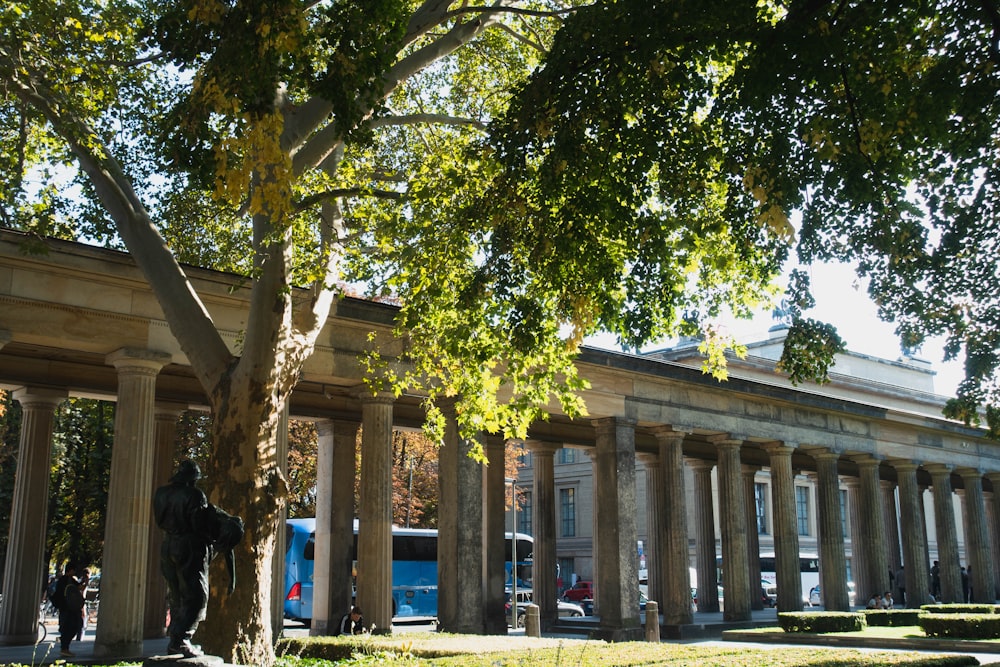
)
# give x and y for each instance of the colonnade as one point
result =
(472, 524)
(874, 501)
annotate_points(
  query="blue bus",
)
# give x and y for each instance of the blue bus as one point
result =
(414, 569)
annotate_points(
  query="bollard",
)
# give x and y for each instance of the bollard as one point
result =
(652, 622)
(532, 621)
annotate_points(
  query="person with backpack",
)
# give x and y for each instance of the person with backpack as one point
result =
(68, 599)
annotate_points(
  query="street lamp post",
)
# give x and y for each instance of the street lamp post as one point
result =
(513, 551)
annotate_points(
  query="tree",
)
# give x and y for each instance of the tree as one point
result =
(78, 487)
(285, 129)
(702, 123)
(641, 182)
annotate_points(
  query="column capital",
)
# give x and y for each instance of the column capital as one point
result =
(666, 432)
(726, 442)
(381, 397)
(865, 460)
(542, 447)
(778, 448)
(699, 465)
(969, 473)
(994, 478)
(939, 470)
(5, 337)
(138, 358)
(612, 422)
(648, 459)
(749, 470)
(821, 453)
(39, 396)
(905, 465)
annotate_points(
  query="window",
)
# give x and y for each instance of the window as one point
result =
(524, 512)
(760, 503)
(567, 512)
(567, 455)
(802, 509)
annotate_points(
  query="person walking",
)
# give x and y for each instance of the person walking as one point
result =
(68, 599)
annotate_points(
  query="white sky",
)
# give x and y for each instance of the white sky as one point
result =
(841, 300)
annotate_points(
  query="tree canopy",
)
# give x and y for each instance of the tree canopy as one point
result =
(516, 174)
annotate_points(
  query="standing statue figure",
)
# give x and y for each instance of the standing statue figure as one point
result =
(195, 531)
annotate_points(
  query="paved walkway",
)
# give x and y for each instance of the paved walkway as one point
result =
(47, 652)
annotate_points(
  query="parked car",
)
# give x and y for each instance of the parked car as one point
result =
(563, 609)
(580, 590)
(816, 596)
(588, 603)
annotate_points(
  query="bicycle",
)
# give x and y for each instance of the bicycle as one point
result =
(42, 630)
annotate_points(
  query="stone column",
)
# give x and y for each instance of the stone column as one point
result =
(494, 540)
(375, 511)
(336, 466)
(947, 533)
(595, 528)
(280, 538)
(994, 516)
(732, 524)
(833, 570)
(786, 534)
(923, 526)
(543, 520)
(981, 578)
(914, 565)
(708, 594)
(890, 518)
(130, 494)
(165, 435)
(753, 540)
(872, 527)
(655, 528)
(614, 493)
(673, 559)
(24, 570)
(859, 569)
(460, 534)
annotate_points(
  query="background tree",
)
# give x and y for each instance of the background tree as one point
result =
(303, 448)
(78, 489)
(10, 429)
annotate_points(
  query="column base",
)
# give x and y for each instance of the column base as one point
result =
(122, 650)
(20, 640)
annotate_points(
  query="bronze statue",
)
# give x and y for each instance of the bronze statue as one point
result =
(195, 531)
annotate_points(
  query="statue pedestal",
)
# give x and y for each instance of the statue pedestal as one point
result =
(178, 660)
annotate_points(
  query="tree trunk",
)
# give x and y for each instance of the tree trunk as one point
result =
(245, 480)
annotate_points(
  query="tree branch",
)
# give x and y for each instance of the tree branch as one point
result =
(428, 118)
(185, 312)
(327, 195)
(316, 148)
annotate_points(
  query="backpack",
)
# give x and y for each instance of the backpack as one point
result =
(73, 597)
(57, 594)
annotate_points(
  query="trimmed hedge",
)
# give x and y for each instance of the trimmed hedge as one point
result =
(891, 617)
(956, 608)
(963, 626)
(827, 621)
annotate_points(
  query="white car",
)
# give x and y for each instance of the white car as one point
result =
(563, 609)
(816, 598)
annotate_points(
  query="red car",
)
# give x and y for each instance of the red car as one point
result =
(581, 590)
